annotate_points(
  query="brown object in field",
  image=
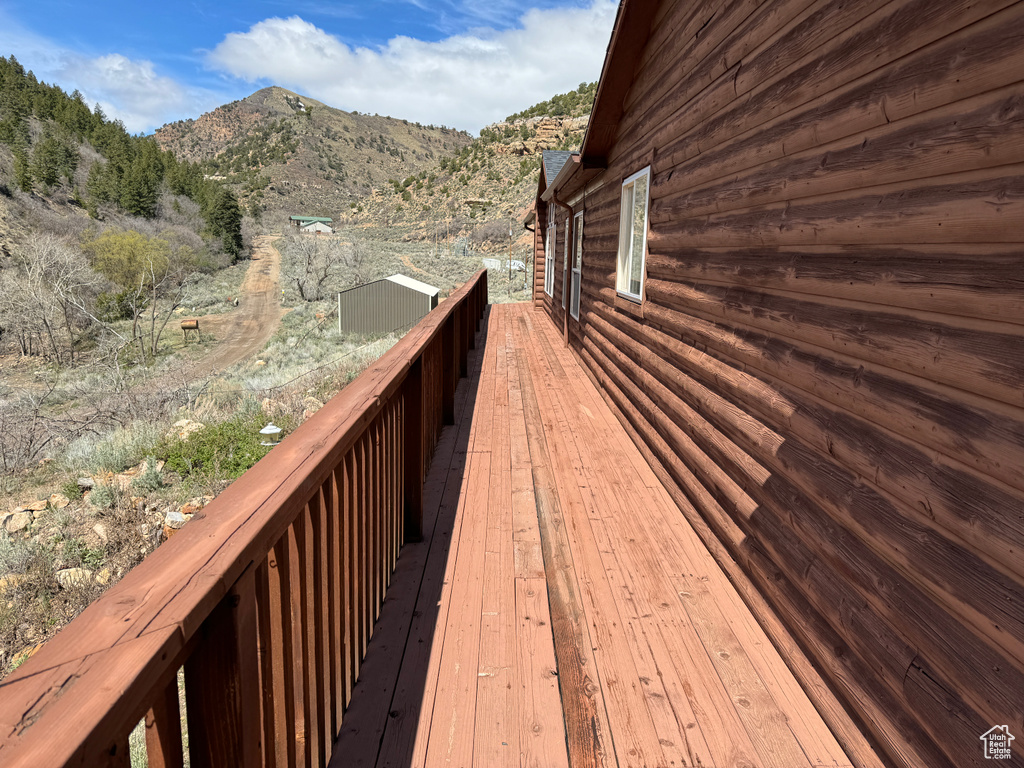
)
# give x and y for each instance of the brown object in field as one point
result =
(190, 325)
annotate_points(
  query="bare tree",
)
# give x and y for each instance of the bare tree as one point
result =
(319, 259)
(44, 299)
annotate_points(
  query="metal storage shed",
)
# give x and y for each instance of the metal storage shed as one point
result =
(394, 303)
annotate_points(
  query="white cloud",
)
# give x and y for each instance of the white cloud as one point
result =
(466, 81)
(129, 90)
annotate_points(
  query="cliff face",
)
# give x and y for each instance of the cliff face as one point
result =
(545, 133)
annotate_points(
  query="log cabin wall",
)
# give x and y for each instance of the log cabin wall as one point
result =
(540, 225)
(828, 362)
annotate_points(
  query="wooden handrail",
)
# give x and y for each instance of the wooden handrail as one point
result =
(267, 599)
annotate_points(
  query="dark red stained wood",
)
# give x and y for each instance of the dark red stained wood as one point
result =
(221, 679)
(413, 459)
(321, 641)
(163, 729)
(335, 616)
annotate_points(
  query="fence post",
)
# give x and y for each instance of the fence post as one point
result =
(414, 452)
(222, 685)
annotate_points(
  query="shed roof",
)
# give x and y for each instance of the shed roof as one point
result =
(553, 160)
(325, 219)
(415, 285)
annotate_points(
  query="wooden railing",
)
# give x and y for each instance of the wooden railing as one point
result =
(269, 600)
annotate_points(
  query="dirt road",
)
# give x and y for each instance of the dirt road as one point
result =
(245, 330)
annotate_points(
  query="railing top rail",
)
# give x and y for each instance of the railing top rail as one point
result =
(121, 645)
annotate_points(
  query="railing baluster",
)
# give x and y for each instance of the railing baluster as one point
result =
(293, 653)
(351, 576)
(271, 651)
(365, 585)
(320, 643)
(307, 601)
(464, 336)
(414, 453)
(336, 621)
(163, 729)
(378, 519)
(448, 363)
(221, 683)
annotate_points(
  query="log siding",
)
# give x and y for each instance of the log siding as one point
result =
(827, 363)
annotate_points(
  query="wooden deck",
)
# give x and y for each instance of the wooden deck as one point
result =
(560, 610)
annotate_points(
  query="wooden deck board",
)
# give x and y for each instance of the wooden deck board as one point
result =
(560, 610)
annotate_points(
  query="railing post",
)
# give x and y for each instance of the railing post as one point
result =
(413, 458)
(222, 685)
(448, 380)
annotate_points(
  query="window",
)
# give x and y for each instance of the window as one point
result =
(549, 253)
(577, 264)
(633, 235)
(565, 264)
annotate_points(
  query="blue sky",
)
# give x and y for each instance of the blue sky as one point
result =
(462, 63)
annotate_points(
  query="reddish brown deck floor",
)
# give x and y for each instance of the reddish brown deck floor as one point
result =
(548, 536)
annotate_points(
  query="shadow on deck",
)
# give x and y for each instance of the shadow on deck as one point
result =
(560, 610)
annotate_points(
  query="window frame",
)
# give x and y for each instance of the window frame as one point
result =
(565, 264)
(575, 283)
(624, 262)
(550, 243)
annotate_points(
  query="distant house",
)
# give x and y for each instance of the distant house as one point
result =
(395, 303)
(302, 221)
(316, 228)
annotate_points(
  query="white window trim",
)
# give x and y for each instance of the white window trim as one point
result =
(549, 253)
(575, 289)
(565, 264)
(619, 266)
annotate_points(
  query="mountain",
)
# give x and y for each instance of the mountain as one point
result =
(285, 152)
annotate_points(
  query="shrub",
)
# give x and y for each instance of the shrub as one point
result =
(226, 450)
(102, 496)
(150, 480)
(71, 489)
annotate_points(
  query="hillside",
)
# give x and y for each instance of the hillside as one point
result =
(285, 152)
(476, 192)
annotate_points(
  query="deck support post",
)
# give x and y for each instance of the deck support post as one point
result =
(222, 685)
(413, 458)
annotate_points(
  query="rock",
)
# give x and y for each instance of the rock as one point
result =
(39, 513)
(85, 483)
(37, 506)
(101, 532)
(74, 577)
(175, 519)
(59, 501)
(11, 581)
(260, 362)
(310, 406)
(103, 577)
(19, 521)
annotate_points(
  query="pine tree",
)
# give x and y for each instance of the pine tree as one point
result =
(225, 221)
